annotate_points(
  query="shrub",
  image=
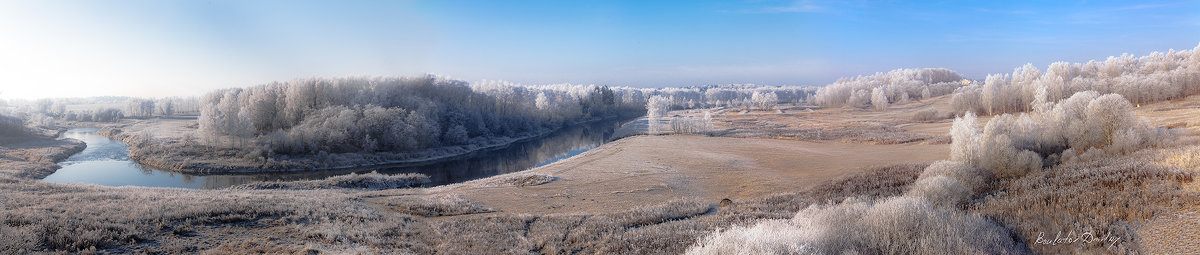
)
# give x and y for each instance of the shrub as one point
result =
(898, 225)
(940, 191)
(766, 237)
(971, 178)
(436, 206)
(928, 115)
(692, 124)
(1086, 122)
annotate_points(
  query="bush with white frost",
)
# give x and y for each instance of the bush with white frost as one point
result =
(765, 237)
(1087, 122)
(940, 191)
(692, 124)
(971, 178)
(898, 225)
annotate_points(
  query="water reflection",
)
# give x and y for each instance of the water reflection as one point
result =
(106, 162)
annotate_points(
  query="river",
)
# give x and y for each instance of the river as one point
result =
(106, 162)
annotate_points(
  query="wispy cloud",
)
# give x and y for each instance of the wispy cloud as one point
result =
(797, 6)
(1103, 16)
(1007, 12)
(1140, 7)
(1000, 37)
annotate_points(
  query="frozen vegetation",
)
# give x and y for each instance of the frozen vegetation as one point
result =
(307, 124)
(320, 116)
(1155, 77)
(900, 85)
(994, 173)
(43, 112)
(372, 180)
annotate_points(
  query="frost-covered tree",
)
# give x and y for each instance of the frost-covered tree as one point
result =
(12, 127)
(964, 136)
(856, 92)
(879, 99)
(398, 114)
(139, 107)
(1086, 123)
(764, 99)
(1155, 77)
(165, 107)
(656, 109)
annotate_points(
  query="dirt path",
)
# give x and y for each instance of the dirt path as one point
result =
(649, 170)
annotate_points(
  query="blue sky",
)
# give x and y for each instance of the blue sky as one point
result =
(170, 48)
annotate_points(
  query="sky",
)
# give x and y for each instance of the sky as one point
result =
(155, 48)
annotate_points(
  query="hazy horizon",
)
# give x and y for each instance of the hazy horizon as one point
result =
(156, 48)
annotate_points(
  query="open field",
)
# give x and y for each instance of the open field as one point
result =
(639, 171)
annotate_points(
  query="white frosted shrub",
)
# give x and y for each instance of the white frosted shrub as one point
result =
(969, 177)
(1005, 160)
(766, 237)
(940, 191)
(1012, 146)
(898, 225)
(965, 135)
(906, 225)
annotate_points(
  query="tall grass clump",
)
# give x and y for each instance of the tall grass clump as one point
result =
(372, 180)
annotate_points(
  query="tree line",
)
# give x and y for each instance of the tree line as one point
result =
(1155, 77)
(399, 114)
(896, 86)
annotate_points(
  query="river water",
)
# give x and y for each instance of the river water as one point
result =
(106, 162)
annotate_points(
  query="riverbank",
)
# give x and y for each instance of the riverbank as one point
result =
(158, 143)
(35, 157)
